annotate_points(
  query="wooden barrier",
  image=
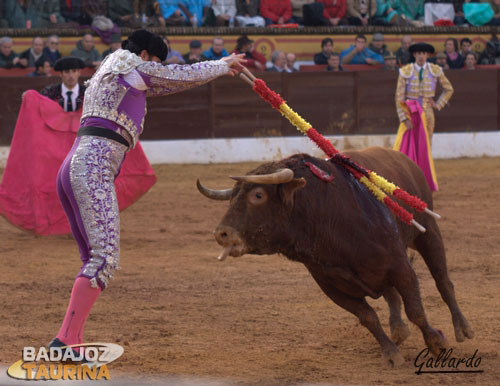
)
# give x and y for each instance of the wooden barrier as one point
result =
(334, 103)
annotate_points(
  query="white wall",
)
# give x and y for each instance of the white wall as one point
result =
(445, 145)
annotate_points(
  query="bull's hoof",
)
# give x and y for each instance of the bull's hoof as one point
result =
(462, 329)
(399, 332)
(436, 341)
(393, 358)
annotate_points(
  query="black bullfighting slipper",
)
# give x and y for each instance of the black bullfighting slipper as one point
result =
(76, 355)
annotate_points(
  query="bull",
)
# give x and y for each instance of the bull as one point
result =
(351, 244)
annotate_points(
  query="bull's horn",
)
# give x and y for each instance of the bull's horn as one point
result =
(221, 195)
(281, 176)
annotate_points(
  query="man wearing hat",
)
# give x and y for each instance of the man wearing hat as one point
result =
(116, 43)
(418, 81)
(441, 60)
(194, 54)
(377, 45)
(390, 62)
(69, 93)
(112, 121)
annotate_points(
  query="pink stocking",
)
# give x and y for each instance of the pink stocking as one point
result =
(83, 297)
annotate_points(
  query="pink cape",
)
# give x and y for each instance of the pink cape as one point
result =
(43, 136)
(415, 143)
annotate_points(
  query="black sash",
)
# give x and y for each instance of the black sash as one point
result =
(101, 132)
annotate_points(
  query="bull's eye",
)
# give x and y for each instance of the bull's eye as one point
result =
(257, 196)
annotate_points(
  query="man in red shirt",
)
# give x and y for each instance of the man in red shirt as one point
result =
(334, 12)
(254, 60)
(276, 11)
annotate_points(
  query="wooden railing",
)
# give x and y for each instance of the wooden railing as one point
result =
(334, 103)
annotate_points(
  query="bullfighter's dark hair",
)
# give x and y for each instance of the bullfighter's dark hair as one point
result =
(141, 40)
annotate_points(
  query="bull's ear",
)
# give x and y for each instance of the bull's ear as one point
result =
(287, 190)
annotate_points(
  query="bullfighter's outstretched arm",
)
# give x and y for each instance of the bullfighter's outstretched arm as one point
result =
(162, 80)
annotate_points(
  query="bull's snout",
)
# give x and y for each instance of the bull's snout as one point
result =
(231, 240)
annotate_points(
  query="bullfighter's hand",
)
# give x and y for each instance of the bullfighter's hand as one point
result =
(235, 63)
(433, 104)
(408, 124)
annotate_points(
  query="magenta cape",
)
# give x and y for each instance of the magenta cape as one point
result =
(415, 143)
(43, 137)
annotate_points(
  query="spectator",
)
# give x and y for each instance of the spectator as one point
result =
(69, 93)
(86, 51)
(254, 60)
(276, 11)
(413, 11)
(173, 57)
(491, 54)
(334, 63)
(8, 58)
(42, 67)
(116, 43)
(385, 15)
(90, 9)
(334, 12)
(125, 13)
(173, 12)
(224, 12)
(377, 45)
(291, 58)
(196, 11)
(442, 60)
(298, 10)
(358, 53)
(470, 61)
(217, 51)
(49, 12)
(31, 55)
(495, 6)
(247, 14)
(390, 62)
(194, 54)
(403, 55)
(51, 51)
(454, 59)
(326, 51)
(359, 12)
(21, 14)
(278, 60)
(465, 46)
(71, 10)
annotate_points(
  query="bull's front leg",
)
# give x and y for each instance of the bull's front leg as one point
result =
(367, 317)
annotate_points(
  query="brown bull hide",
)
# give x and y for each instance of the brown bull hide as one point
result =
(350, 242)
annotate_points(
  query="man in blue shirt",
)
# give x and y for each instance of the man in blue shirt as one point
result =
(358, 53)
(217, 50)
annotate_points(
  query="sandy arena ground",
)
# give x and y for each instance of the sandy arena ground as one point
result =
(259, 320)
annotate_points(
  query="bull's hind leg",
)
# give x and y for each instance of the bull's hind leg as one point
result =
(367, 317)
(405, 281)
(399, 329)
(430, 245)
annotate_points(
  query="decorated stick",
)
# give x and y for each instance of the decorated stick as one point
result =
(378, 185)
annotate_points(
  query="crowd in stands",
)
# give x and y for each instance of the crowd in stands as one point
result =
(42, 54)
(105, 14)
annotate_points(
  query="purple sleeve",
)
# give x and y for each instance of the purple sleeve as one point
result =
(162, 80)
